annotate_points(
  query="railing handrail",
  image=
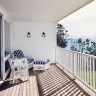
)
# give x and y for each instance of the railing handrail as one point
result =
(92, 56)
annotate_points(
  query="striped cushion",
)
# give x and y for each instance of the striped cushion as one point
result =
(42, 62)
(18, 54)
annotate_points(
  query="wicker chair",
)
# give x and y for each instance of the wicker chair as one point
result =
(19, 69)
(19, 54)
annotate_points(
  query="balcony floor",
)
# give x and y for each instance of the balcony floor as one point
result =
(52, 82)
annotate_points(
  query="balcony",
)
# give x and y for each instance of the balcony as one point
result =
(71, 73)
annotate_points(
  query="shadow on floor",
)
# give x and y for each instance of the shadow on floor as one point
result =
(54, 82)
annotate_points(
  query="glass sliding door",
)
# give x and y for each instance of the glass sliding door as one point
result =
(5, 47)
(0, 43)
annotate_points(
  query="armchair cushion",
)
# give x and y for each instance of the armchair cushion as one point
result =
(30, 60)
(42, 62)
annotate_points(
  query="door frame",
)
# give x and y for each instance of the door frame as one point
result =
(2, 46)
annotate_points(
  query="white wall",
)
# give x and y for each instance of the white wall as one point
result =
(36, 46)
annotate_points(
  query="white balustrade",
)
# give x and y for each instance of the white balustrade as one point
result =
(81, 66)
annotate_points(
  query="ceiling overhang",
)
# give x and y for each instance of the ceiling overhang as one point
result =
(41, 10)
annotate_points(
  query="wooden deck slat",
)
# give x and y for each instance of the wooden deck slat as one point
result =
(10, 91)
(28, 89)
(17, 89)
(52, 82)
(24, 89)
(21, 89)
(31, 86)
(14, 90)
(35, 88)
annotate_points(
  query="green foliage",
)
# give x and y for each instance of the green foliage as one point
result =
(61, 42)
(87, 41)
(61, 36)
(92, 48)
(87, 45)
(79, 40)
(73, 48)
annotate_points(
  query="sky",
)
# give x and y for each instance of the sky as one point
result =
(82, 23)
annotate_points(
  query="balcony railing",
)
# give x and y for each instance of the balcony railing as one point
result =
(81, 66)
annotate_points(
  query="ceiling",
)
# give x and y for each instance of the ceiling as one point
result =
(41, 10)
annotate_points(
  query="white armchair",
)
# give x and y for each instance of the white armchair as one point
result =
(19, 69)
(19, 54)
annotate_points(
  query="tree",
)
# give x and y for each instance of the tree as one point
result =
(73, 48)
(82, 46)
(87, 41)
(93, 48)
(61, 42)
(61, 36)
(79, 42)
(60, 28)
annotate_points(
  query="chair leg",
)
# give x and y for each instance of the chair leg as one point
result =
(13, 81)
(13, 77)
(28, 75)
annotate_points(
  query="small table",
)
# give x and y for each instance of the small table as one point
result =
(41, 65)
